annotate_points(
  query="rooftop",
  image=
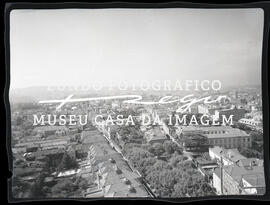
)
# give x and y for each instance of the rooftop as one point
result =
(50, 128)
(122, 183)
(237, 173)
(248, 161)
(231, 154)
(154, 134)
(216, 131)
(256, 180)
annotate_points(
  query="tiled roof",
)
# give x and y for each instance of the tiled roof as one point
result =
(256, 180)
(255, 176)
(230, 154)
(238, 172)
(221, 131)
(248, 161)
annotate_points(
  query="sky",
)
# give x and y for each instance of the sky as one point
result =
(72, 47)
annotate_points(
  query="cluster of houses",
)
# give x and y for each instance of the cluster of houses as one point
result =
(236, 173)
(109, 175)
(113, 177)
(106, 172)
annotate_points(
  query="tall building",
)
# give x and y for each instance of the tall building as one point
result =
(236, 180)
(223, 136)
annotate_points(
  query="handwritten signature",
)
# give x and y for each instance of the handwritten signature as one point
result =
(187, 100)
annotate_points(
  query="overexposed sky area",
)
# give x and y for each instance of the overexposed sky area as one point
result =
(82, 46)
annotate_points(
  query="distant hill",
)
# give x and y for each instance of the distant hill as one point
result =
(34, 94)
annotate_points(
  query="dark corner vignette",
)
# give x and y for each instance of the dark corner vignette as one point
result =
(103, 126)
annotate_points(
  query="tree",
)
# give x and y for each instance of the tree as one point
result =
(159, 166)
(67, 163)
(177, 160)
(131, 134)
(64, 188)
(164, 178)
(170, 147)
(250, 153)
(36, 190)
(167, 179)
(82, 183)
(192, 185)
(128, 147)
(145, 164)
(158, 149)
(136, 156)
(257, 136)
(52, 162)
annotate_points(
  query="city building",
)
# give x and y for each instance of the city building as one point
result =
(46, 131)
(155, 135)
(239, 180)
(232, 157)
(236, 113)
(228, 156)
(223, 136)
(251, 123)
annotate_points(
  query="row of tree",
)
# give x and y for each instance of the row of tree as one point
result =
(38, 189)
(176, 177)
(163, 165)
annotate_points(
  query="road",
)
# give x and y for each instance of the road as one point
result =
(117, 149)
(187, 154)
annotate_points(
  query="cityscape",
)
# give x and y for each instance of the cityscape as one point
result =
(136, 103)
(103, 159)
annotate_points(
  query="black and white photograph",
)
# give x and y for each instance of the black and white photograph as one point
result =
(136, 102)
